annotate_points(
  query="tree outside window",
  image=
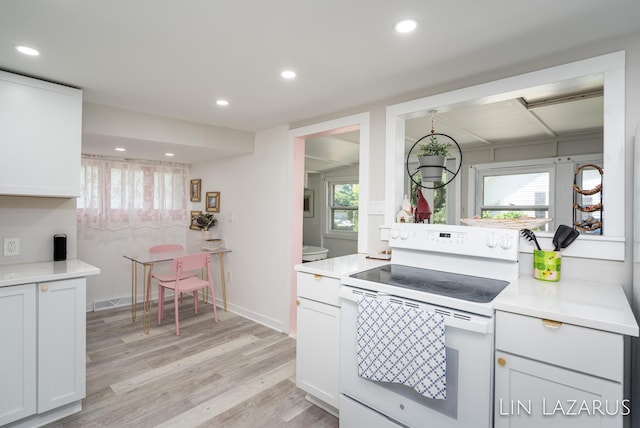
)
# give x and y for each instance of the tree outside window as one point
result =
(343, 206)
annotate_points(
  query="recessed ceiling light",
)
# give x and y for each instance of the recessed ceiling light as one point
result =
(406, 25)
(27, 50)
(120, 149)
(168, 155)
(222, 103)
(288, 74)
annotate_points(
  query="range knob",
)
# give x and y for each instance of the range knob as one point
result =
(404, 234)
(491, 241)
(506, 242)
(395, 233)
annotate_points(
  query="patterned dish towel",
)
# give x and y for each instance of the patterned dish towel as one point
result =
(402, 344)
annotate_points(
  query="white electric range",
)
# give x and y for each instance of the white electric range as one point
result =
(454, 271)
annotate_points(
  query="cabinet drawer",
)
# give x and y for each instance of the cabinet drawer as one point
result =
(320, 288)
(577, 348)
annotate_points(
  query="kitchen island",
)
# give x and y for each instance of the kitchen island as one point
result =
(43, 335)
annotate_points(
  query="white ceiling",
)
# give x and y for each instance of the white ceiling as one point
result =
(175, 58)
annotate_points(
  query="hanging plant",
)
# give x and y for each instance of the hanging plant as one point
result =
(434, 148)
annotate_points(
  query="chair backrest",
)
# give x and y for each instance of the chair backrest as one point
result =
(165, 247)
(191, 262)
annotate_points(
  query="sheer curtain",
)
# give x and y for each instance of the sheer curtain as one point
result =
(123, 195)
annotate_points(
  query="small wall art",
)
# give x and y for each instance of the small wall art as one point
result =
(195, 190)
(307, 203)
(193, 225)
(213, 202)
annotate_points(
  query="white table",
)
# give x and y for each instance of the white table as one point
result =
(147, 260)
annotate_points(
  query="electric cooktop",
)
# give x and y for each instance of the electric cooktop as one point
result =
(464, 287)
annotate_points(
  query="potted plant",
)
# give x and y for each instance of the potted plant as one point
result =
(432, 157)
(206, 221)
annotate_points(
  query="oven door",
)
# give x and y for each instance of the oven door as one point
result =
(469, 353)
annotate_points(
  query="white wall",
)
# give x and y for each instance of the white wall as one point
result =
(254, 192)
(34, 221)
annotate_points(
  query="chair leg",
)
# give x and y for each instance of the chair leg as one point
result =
(213, 300)
(195, 300)
(175, 302)
(160, 303)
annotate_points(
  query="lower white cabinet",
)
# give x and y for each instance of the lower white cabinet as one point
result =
(318, 339)
(18, 354)
(61, 343)
(560, 375)
(44, 325)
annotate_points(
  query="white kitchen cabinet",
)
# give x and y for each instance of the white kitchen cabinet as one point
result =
(554, 374)
(318, 339)
(18, 354)
(40, 135)
(61, 343)
(44, 326)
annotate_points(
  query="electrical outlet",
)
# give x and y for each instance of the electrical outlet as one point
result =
(11, 246)
(229, 276)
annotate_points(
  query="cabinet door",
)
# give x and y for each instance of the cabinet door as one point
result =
(18, 352)
(318, 350)
(40, 131)
(531, 394)
(61, 343)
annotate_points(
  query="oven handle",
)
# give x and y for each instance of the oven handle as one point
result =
(456, 319)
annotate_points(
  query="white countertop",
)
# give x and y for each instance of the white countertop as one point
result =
(26, 273)
(337, 267)
(588, 304)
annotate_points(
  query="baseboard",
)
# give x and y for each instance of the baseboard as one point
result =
(118, 302)
(253, 316)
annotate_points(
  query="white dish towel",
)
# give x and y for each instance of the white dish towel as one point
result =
(402, 344)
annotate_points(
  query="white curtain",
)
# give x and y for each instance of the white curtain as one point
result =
(129, 196)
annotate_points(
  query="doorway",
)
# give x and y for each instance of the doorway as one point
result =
(297, 138)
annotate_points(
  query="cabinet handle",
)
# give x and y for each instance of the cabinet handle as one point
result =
(298, 302)
(44, 288)
(502, 361)
(551, 323)
(316, 276)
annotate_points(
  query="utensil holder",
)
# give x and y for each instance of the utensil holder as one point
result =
(546, 265)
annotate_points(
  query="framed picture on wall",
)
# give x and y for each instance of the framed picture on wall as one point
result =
(307, 203)
(213, 202)
(193, 225)
(195, 190)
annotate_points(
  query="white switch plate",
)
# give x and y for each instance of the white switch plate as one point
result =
(11, 246)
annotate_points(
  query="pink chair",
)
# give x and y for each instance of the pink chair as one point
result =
(169, 276)
(180, 266)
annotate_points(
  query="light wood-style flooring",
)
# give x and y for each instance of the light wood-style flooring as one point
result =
(235, 373)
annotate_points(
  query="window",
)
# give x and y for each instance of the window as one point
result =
(343, 203)
(119, 194)
(515, 192)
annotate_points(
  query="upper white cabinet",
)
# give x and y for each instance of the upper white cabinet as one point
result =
(40, 137)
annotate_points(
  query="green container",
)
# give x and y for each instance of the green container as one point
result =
(546, 265)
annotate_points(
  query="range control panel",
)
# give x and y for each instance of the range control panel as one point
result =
(464, 240)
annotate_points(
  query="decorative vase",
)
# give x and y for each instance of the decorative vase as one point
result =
(206, 234)
(431, 168)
